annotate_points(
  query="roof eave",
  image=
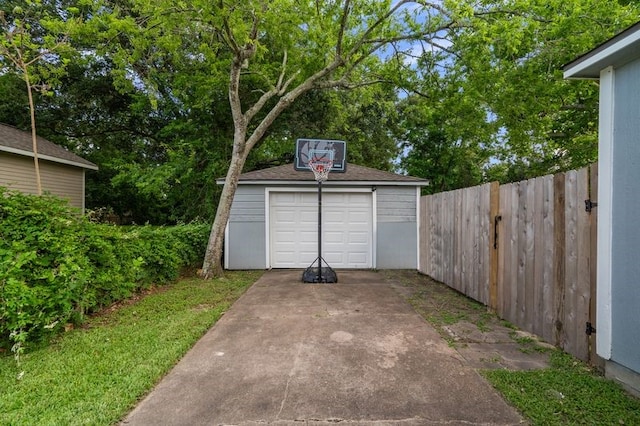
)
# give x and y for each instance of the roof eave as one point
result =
(615, 52)
(48, 158)
(329, 182)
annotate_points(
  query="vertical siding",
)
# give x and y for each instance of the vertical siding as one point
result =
(67, 182)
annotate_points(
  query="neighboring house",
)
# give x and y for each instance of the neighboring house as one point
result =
(61, 172)
(370, 220)
(616, 63)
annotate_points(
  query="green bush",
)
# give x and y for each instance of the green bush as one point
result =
(56, 266)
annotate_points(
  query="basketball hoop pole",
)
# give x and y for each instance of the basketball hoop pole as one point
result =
(319, 231)
(320, 170)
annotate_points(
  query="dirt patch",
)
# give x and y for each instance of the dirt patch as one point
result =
(480, 336)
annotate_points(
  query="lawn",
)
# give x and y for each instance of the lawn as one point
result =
(569, 392)
(95, 374)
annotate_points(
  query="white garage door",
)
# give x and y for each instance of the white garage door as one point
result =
(346, 226)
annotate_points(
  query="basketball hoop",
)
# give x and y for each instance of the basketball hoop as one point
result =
(320, 168)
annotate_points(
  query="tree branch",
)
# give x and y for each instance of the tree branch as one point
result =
(343, 26)
(365, 37)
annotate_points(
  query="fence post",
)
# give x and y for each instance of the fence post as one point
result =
(559, 258)
(494, 218)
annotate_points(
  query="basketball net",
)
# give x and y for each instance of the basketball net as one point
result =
(320, 168)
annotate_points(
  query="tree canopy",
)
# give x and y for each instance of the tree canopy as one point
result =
(166, 97)
(500, 73)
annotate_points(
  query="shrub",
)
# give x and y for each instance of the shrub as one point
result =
(56, 266)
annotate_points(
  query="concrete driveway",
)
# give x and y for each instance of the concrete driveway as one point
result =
(354, 353)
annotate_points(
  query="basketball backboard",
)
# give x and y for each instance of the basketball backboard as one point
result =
(307, 149)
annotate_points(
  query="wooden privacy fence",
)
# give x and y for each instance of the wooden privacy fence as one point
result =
(526, 250)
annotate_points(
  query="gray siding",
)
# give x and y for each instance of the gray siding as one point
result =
(397, 246)
(396, 204)
(625, 267)
(247, 243)
(248, 204)
(18, 173)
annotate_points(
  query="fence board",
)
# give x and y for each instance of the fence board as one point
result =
(571, 259)
(528, 308)
(549, 253)
(538, 257)
(541, 274)
(494, 258)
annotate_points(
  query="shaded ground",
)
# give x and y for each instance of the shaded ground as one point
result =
(479, 336)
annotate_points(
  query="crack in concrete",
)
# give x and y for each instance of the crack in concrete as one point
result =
(289, 378)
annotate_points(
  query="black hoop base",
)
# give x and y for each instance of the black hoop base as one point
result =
(323, 275)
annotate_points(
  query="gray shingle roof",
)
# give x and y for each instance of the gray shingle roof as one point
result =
(353, 174)
(19, 142)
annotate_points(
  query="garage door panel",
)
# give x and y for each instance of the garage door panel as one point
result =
(285, 235)
(334, 257)
(285, 217)
(347, 229)
(306, 258)
(359, 217)
(331, 218)
(310, 235)
(333, 237)
(284, 198)
(308, 217)
(360, 238)
(357, 259)
(308, 198)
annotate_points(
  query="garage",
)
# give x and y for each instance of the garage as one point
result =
(347, 229)
(370, 219)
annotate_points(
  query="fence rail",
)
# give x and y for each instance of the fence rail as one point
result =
(526, 249)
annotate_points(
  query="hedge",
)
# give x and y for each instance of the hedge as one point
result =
(56, 266)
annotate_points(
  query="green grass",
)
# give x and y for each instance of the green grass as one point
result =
(96, 374)
(568, 393)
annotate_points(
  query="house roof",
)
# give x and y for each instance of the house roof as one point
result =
(354, 175)
(617, 51)
(16, 141)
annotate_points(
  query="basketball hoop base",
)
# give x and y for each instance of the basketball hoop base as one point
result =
(323, 275)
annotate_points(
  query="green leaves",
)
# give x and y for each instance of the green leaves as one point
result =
(55, 266)
(499, 78)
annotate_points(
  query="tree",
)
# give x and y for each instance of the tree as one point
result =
(437, 148)
(31, 44)
(364, 117)
(507, 59)
(272, 53)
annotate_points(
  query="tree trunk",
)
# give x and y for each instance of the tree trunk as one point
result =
(34, 137)
(212, 265)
